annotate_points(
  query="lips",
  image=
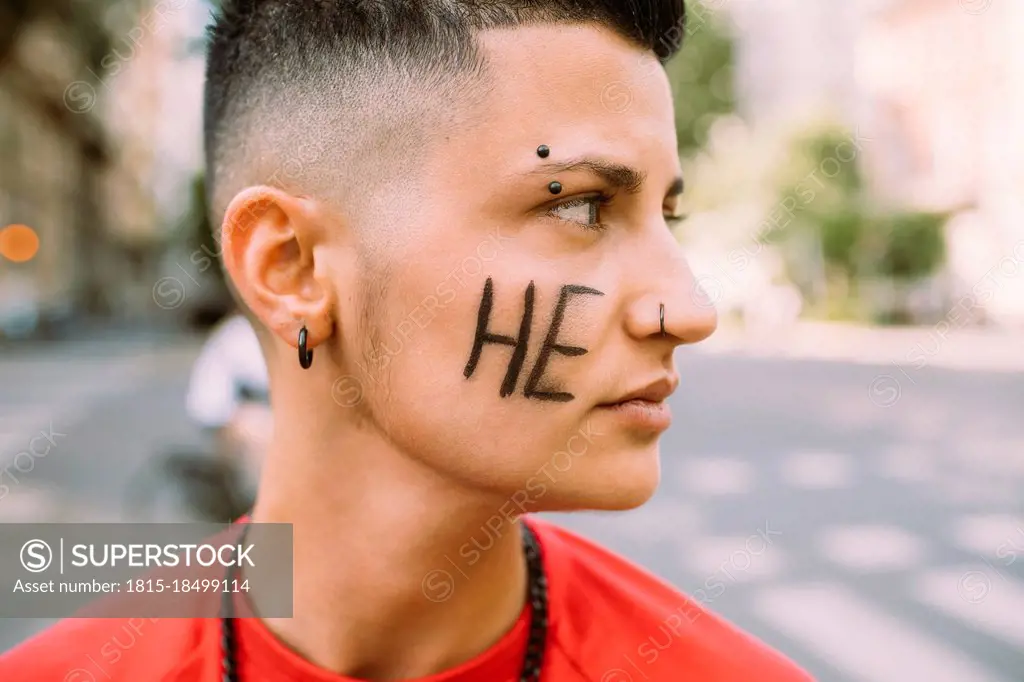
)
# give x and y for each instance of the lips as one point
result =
(645, 409)
(655, 392)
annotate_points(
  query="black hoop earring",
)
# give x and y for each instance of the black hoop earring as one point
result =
(305, 354)
(661, 310)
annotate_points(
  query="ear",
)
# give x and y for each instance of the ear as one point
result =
(269, 242)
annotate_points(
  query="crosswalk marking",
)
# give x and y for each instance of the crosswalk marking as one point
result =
(861, 640)
(714, 476)
(817, 470)
(869, 548)
(981, 596)
(737, 559)
(986, 533)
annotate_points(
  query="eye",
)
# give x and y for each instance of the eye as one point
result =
(584, 211)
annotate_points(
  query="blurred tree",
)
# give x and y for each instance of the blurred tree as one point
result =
(912, 245)
(198, 220)
(203, 244)
(702, 76)
(823, 203)
(822, 187)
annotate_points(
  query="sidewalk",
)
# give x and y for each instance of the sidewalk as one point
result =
(965, 348)
(58, 384)
(98, 342)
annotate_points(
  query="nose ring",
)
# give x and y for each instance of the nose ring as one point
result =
(661, 311)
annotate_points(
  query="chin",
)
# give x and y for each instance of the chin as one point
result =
(612, 482)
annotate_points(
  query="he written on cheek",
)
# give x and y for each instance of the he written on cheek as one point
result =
(519, 344)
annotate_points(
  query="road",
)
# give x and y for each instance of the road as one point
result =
(870, 528)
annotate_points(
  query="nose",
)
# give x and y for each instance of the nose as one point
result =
(677, 303)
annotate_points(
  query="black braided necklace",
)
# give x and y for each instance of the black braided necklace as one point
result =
(537, 593)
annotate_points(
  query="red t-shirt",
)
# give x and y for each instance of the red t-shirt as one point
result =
(609, 621)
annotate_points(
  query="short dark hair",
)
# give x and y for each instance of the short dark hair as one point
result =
(363, 70)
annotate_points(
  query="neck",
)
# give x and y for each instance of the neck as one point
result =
(396, 575)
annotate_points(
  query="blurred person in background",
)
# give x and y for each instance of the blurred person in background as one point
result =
(228, 396)
(457, 215)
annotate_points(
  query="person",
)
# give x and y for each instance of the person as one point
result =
(228, 395)
(452, 221)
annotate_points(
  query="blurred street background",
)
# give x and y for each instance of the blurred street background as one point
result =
(845, 478)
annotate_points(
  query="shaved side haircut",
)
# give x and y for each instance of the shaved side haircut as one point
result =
(335, 95)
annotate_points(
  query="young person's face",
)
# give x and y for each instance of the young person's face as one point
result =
(520, 414)
(488, 321)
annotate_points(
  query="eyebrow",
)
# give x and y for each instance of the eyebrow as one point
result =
(618, 175)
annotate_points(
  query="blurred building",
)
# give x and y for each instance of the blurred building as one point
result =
(99, 125)
(52, 157)
(153, 106)
(935, 88)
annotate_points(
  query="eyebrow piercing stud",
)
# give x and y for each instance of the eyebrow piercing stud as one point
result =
(555, 187)
(543, 151)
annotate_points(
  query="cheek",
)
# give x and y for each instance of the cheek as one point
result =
(458, 426)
